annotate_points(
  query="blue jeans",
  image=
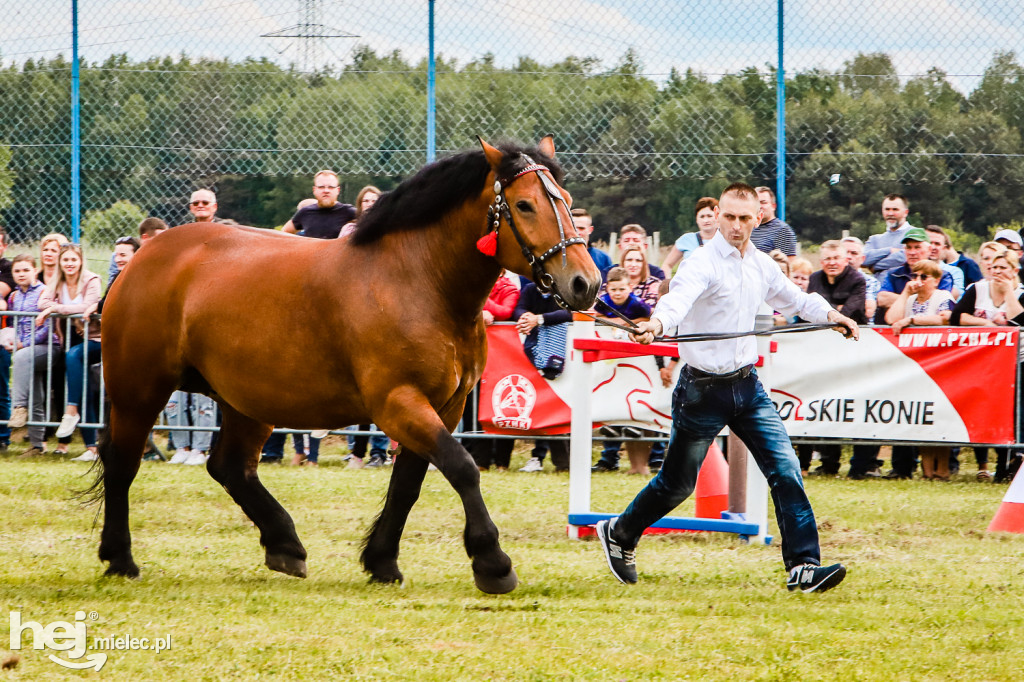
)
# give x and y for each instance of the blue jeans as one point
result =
(78, 361)
(274, 447)
(699, 411)
(379, 443)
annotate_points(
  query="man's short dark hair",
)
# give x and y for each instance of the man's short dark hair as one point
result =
(580, 213)
(130, 241)
(23, 258)
(938, 230)
(741, 190)
(768, 190)
(894, 197)
(150, 226)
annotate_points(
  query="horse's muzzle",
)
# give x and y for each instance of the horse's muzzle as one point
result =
(578, 291)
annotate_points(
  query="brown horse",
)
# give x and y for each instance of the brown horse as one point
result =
(385, 326)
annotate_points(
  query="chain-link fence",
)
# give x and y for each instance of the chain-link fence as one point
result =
(652, 104)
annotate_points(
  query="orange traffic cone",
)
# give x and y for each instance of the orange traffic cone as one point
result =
(1010, 517)
(712, 492)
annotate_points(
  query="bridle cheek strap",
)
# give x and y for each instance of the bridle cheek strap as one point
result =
(501, 209)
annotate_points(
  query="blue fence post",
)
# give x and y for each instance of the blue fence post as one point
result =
(76, 141)
(780, 122)
(431, 82)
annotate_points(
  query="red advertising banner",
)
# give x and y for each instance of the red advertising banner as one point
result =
(929, 384)
(514, 397)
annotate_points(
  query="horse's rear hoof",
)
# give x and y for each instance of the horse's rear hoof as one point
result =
(492, 585)
(289, 565)
(387, 580)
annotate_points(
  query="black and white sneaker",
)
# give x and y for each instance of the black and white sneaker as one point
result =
(811, 578)
(621, 561)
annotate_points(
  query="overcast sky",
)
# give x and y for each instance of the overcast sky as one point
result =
(712, 37)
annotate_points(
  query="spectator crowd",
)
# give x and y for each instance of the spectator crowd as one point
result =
(903, 276)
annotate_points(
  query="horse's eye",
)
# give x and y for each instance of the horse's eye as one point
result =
(524, 206)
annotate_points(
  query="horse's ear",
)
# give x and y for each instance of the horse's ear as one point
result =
(493, 155)
(547, 145)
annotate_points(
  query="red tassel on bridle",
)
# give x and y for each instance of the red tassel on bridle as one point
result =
(488, 244)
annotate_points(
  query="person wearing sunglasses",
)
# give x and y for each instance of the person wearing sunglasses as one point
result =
(202, 205)
(921, 303)
(193, 409)
(916, 248)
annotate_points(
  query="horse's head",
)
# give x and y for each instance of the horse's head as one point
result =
(530, 221)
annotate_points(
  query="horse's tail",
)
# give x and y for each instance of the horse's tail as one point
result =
(94, 494)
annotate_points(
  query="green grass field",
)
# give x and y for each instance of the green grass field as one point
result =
(929, 595)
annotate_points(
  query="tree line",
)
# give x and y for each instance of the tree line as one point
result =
(635, 149)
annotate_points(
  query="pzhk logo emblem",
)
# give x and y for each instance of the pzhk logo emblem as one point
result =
(512, 401)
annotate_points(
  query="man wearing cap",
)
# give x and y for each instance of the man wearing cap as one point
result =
(916, 248)
(883, 251)
(1011, 240)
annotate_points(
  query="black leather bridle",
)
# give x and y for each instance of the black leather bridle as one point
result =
(500, 209)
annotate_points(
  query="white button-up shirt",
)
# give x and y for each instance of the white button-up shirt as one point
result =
(717, 291)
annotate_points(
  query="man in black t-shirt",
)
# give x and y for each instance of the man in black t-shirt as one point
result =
(322, 220)
(325, 220)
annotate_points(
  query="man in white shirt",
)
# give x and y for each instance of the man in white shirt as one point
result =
(720, 291)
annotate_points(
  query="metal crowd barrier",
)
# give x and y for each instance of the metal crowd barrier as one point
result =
(93, 397)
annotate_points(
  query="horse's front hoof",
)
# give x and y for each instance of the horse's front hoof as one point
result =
(289, 565)
(125, 569)
(492, 585)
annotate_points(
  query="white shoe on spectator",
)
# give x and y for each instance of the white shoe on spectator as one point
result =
(67, 425)
(196, 458)
(87, 456)
(319, 434)
(533, 465)
(180, 455)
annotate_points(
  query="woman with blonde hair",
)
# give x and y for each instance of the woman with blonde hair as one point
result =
(800, 270)
(73, 291)
(995, 301)
(642, 283)
(49, 252)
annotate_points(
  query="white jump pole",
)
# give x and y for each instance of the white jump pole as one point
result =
(580, 443)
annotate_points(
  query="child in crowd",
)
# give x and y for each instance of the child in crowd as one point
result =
(31, 346)
(620, 296)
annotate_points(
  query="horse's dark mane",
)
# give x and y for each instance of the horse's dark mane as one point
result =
(440, 187)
